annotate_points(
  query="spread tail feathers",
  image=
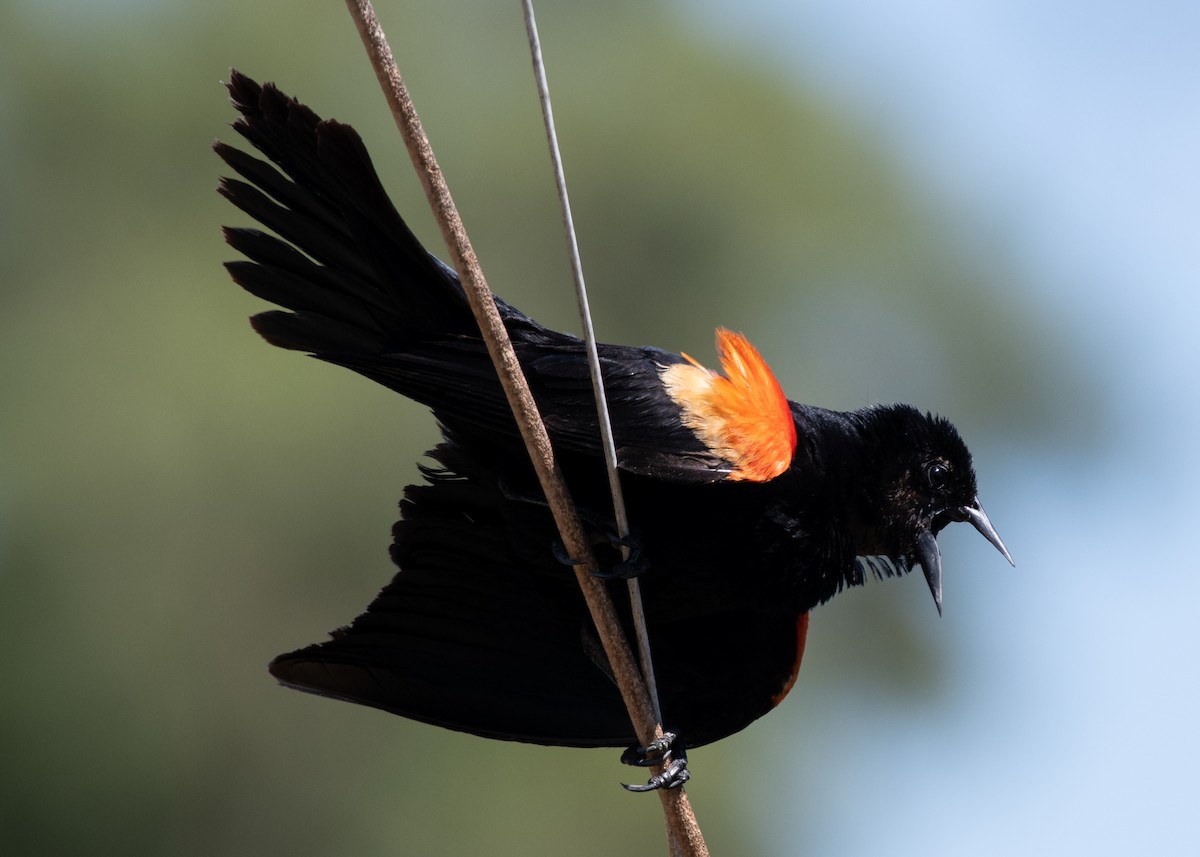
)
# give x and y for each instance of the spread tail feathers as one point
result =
(353, 274)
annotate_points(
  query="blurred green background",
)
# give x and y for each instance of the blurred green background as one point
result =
(180, 502)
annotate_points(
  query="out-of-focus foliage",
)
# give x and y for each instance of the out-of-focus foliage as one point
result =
(179, 502)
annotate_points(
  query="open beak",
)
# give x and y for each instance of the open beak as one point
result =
(930, 558)
(979, 520)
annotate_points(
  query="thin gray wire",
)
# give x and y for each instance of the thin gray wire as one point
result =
(589, 338)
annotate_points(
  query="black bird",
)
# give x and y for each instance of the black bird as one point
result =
(748, 509)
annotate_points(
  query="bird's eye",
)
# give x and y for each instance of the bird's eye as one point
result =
(938, 475)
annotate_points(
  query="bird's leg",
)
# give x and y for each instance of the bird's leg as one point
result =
(667, 750)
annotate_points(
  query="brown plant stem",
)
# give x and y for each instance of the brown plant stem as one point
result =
(681, 822)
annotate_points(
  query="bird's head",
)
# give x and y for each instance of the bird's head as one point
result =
(927, 480)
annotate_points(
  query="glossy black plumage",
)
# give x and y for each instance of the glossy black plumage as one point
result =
(483, 629)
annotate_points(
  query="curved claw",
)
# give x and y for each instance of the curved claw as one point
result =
(626, 569)
(560, 553)
(673, 776)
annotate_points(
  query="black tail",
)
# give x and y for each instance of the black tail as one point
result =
(362, 284)
(363, 293)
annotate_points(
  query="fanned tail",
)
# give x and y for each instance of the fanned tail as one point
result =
(357, 281)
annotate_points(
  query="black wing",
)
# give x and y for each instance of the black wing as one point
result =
(468, 635)
(363, 293)
(482, 631)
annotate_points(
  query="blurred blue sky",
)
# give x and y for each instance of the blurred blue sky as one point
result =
(1071, 131)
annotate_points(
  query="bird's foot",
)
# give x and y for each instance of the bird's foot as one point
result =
(667, 751)
(656, 752)
(632, 563)
(625, 568)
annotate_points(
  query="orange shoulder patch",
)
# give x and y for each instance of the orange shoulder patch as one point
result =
(741, 415)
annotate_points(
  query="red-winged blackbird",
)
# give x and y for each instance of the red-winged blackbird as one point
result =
(748, 510)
